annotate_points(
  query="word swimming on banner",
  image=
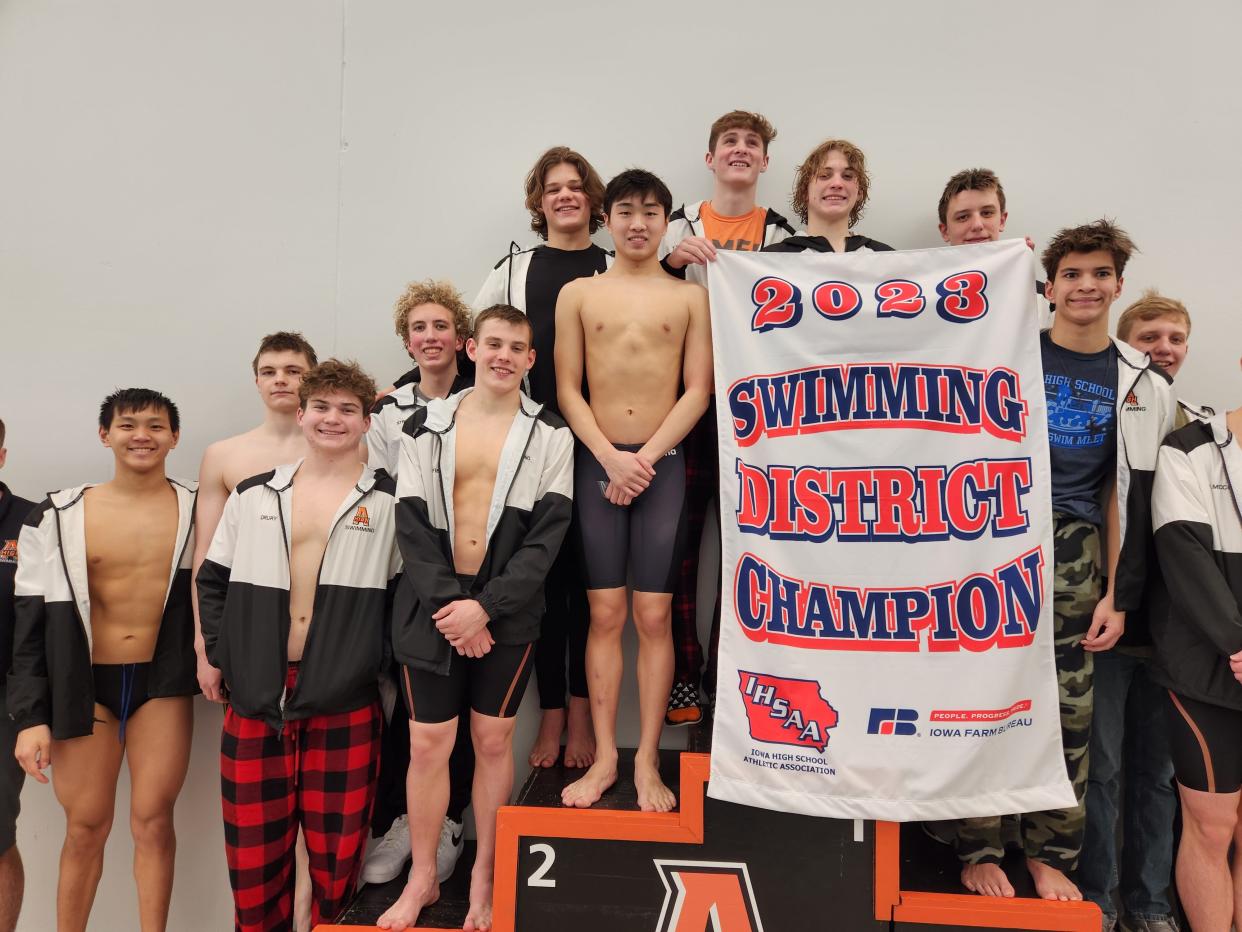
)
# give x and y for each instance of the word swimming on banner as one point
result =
(955, 399)
(887, 528)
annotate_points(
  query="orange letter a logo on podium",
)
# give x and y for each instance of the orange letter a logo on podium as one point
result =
(707, 896)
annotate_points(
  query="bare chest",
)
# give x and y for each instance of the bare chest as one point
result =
(250, 457)
(629, 327)
(479, 444)
(312, 508)
(130, 539)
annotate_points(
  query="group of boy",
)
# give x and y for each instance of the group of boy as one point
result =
(342, 541)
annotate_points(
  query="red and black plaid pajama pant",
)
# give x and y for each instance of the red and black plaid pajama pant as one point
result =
(702, 485)
(320, 772)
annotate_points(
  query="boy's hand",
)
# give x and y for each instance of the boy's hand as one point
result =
(693, 249)
(1107, 626)
(1235, 664)
(460, 620)
(34, 750)
(210, 679)
(628, 474)
(476, 646)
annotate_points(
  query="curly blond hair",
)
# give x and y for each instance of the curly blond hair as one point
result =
(430, 291)
(810, 168)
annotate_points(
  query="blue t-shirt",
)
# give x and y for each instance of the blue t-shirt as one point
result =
(1081, 389)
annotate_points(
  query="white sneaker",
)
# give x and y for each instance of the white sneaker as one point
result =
(452, 836)
(385, 860)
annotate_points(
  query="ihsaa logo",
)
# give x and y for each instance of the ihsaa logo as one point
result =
(892, 722)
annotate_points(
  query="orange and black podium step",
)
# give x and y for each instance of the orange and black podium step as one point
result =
(712, 866)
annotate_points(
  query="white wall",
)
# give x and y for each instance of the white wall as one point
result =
(177, 179)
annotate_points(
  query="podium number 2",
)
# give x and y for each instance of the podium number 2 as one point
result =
(539, 877)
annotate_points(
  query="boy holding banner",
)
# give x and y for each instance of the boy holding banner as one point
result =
(737, 154)
(1103, 397)
(829, 195)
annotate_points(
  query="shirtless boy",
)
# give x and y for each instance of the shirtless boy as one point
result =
(283, 358)
(565, 197)
(639, 335)
(485, 489)
(103, 654)
(432, 321)
(293, 599)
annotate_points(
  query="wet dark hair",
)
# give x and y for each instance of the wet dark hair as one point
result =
(637, 181)
(132, 400)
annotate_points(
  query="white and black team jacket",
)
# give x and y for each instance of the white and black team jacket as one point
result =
(51, 682)
(389, 416)
(685, 221)
(1197, 512)
(243, 599)
(1146, 409)
(526, 522)
(506, 283)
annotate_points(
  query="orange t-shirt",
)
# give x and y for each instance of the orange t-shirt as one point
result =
(743, 233)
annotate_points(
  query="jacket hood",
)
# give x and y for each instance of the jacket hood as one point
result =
(441, 412)
(282, 477)
(66, 498)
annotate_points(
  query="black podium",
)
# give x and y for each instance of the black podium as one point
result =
(712, 866)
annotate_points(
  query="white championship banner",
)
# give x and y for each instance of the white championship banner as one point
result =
(886, 615)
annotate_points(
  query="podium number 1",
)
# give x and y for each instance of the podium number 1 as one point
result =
(539, 878)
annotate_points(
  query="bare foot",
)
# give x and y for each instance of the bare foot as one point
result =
(1050, 883)
(479, 919)
(586, 791)
(653, 795)
(547, 746)
(420, 891)
(986, 880)
(580, 743)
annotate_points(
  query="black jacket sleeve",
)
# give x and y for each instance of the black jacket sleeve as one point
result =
(1200, 593)
(28, 690)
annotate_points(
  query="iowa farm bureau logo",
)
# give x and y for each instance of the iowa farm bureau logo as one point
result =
(951, 723)
(780, 710)
(894, 721)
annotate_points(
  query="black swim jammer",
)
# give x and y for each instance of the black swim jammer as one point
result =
(648, 535)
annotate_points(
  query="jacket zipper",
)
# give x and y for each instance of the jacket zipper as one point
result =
(444, 505)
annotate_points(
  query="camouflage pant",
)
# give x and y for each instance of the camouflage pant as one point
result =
(1055, 837)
